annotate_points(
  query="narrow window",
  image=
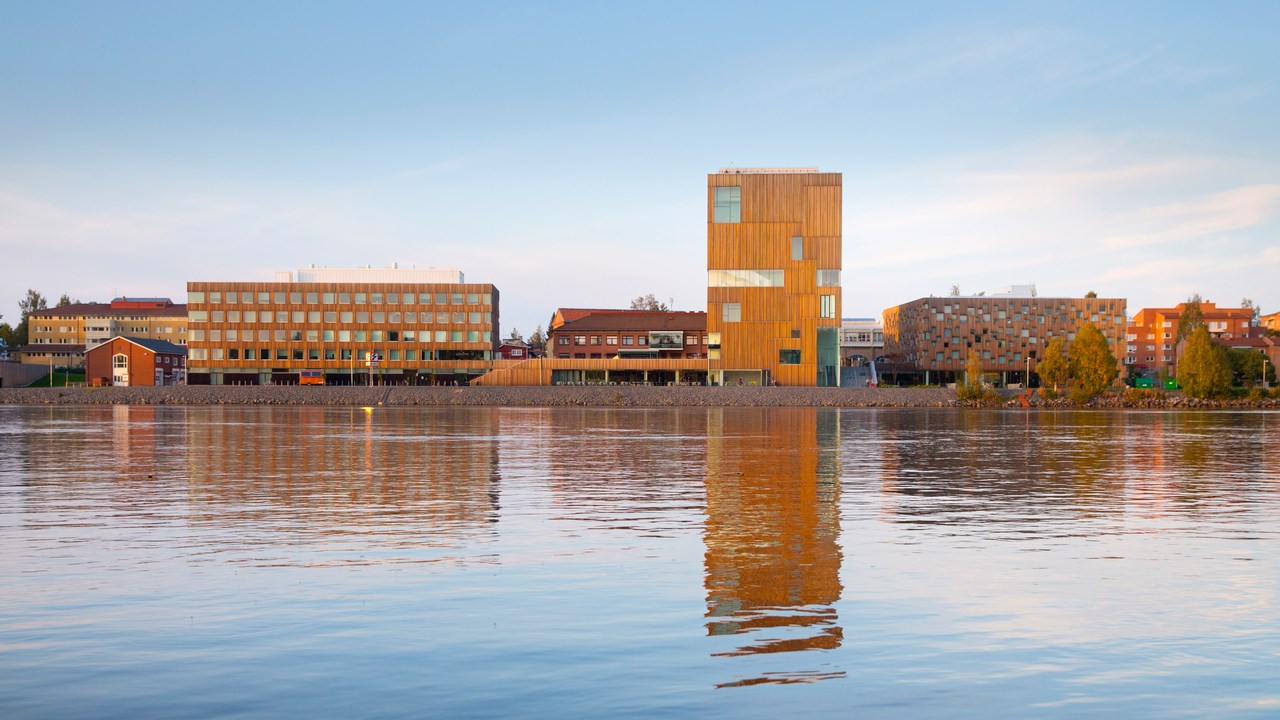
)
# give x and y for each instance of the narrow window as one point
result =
(797, 248)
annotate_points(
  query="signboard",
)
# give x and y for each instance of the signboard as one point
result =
(371, 360)
(666, 340)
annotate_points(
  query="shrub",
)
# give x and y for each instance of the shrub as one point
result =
(1081, 396)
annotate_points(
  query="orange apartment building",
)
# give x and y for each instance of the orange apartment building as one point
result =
(365, 325)
(773, 276)
(932, 337)
(1151, 342)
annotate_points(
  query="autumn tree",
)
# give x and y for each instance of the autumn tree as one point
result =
(651, 303)
(1091, 294)
(1192, 317)
(1054, 368)
(1247, 366)
(1203, 369)
(972, 388)
(1092, 363)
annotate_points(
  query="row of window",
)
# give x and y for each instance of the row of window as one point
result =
(334, 354)
(346, 317)
(732, 312)
(614, 339)
(764, 278)
(232, 297)
(311, 336)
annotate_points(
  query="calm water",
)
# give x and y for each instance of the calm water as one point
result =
(321, 562)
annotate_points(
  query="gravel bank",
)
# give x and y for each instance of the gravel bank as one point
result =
(485, 396)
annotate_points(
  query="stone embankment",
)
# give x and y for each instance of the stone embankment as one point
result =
(633, 396)
(595, 396)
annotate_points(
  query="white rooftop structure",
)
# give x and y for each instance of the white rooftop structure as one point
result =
(367, 274)
(769, 171)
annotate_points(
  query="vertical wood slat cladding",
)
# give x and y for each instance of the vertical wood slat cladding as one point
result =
(775, 208)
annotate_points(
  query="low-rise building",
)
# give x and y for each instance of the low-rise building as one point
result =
(130, 361)
(58, 355)
(861, 340)
(578, 333)
(363, 325)
(929, 340)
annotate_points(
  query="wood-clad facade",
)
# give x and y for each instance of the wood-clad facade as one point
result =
(773, 262)
(258, 332)
(605, 371)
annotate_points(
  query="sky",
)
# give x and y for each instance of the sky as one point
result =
(560, 150)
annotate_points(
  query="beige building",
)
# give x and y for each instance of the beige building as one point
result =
(64, 333)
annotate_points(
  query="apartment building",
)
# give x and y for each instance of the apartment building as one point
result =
(363, 325)
(931, 337)
(1151, 342)
(773, 276)
(64, 333)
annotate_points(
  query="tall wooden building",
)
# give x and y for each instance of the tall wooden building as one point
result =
(773, 276)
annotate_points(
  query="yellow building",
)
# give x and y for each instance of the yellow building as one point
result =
(773, 276)
(66, 332)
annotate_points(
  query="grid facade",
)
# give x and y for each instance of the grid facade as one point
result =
(935, 334)
(249, 332)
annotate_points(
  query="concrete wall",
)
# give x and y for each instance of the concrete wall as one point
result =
(18, 375)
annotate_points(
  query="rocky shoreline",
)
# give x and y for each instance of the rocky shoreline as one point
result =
(597, 396)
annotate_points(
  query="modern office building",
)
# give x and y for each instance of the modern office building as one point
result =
(1151, 342)
(380, 325)
(65, 332)
(929, 340)
(773, 276)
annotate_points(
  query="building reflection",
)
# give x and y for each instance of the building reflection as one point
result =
(331, 474)
(772, 532)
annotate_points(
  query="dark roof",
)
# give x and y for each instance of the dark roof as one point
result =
(156, 346)
(105, 310)
(579, 320)
(50, 347)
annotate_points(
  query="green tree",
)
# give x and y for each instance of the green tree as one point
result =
(1092, 363)
(1055, 368)
(1247, 366)
(1190, 318)
(537, 338)
(1204, 369)
(32, 302)
(66, 300)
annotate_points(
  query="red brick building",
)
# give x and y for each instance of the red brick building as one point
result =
(129, 361)
(578, 333)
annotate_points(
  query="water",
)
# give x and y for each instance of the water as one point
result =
(472, 562)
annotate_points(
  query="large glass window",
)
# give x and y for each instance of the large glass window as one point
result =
(744, 278)
(731, 312)
(797, 248)
(728, 205)
(828, 278)
(788, 357)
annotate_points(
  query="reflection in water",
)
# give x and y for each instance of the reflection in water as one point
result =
(773, 523)
(383, 481)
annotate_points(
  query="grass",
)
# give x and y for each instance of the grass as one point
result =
(59, 379)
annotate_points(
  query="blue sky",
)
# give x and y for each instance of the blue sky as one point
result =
(559, 150)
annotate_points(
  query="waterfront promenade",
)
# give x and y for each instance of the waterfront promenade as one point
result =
(583, 396)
